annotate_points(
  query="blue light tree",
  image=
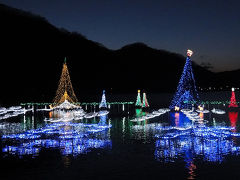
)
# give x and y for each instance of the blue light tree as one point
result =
(186, 91)
(103, 103)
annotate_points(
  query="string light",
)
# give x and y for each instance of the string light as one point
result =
(65, 89)
(138, 101)
(218, 111)
(70, 138)
(103, 103)
(212, 143)
(143, 117)
(211, 149)
(186, 90)
(77, 103)
(145, 101)
(210, 102)
(233, 102)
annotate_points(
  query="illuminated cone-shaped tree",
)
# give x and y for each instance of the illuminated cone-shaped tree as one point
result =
(138, 102)
(65, 89)
(233, 102)
(186, 91)
(145, 101)
(103, 103)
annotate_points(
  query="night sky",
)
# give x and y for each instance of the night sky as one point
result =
(210, 28)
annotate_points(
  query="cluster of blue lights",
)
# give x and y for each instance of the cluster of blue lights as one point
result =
(199, 131)
(186, 90)
(212, 150)
(62, 130)
(73, 147)
(184, 140)
(70, 138)
(66, 146)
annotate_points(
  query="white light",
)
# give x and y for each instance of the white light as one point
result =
(177, 108)
(189, 53)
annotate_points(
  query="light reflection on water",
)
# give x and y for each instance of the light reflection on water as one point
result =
(211, 142)
(71, 138)
(205, 142)
(74, 146)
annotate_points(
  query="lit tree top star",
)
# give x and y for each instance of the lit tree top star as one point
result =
(189, 53)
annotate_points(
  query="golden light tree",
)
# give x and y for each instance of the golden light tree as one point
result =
(65, 89)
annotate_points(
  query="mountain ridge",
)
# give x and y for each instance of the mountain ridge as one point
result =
(34, 51)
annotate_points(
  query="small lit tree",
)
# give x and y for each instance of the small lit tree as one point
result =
(103, 103)
(145, 101)
(233, 102)
(138, 101)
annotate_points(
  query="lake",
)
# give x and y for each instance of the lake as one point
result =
(168, 146)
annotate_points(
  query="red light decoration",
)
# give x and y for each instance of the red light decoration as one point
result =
(233, 102)
(233, 117)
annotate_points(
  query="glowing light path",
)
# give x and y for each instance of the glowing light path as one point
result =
(218, 111)
(150, 115)
(13, 111)
(70, 138)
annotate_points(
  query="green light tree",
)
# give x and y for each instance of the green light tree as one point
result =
(138, 102)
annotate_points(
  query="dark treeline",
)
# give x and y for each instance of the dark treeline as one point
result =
(33, 51)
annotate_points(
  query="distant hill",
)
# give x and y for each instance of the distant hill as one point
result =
(230, 78)
(33, 51)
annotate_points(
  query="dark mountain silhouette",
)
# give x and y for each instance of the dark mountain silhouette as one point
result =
(228, 78)
(33, 51)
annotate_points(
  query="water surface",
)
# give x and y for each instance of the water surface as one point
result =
(131, 150)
